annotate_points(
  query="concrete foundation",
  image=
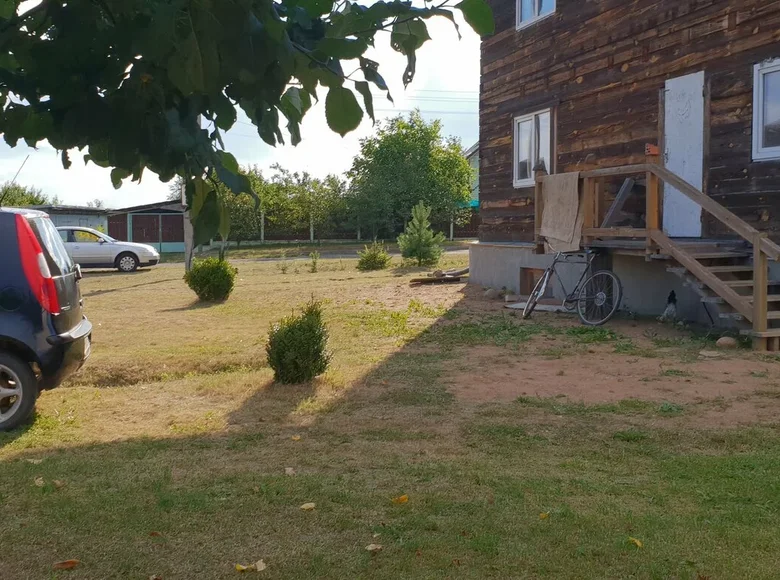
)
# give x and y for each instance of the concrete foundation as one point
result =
(646, 285)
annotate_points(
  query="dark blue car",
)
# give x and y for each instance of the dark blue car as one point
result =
(44, 335)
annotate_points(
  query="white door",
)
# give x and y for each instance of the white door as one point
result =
(684, 152)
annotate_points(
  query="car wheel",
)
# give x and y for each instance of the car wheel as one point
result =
(18, 391)
(127, 263)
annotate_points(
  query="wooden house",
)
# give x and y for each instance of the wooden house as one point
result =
(670, 111)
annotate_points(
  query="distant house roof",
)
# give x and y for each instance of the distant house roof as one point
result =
(166, 206)
(70, 209)
(472, 150)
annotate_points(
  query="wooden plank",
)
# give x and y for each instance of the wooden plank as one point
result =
(616, 171)
(539, 174)
(588, 189)
(730, 269)
(760, 274)
(598, 194)
(615, 232)
(620, 200)
(739, 303)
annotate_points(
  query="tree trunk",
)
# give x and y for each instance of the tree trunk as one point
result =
(262, 226)
(311, 227)
(358, 233)
(452, 229)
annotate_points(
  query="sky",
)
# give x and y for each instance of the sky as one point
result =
(446, 87)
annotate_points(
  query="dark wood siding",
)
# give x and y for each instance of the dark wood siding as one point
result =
(601, 64)
(117, 226)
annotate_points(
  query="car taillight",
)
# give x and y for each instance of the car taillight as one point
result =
(35, 268)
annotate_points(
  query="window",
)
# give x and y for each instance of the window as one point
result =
(766, 111)
(529, 11)
(83, 237)
(532, 143)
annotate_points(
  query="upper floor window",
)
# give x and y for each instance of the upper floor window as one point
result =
(529, 11)
(532, 143)
(766, 111)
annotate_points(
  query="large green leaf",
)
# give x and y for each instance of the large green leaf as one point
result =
(368, 99)
(194, 66)
(224, 220)
(228, 161)
(225, 112)
(479, 15)
(117, 175)
(342, 110)
(7, 8)
(206, 223)
(345, 48)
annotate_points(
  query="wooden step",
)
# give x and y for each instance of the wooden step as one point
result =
(718, 255)
(771, 333)
(773, 315)
(747, 283)
(730, 268)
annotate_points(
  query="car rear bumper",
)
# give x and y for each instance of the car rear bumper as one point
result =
(70, 351)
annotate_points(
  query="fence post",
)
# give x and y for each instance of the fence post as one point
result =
(652, 210)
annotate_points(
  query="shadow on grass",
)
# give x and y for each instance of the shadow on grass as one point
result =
(110, 273)
(123, 288)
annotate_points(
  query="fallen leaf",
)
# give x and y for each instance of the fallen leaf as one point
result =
(260, 565)
(155, 577)
(400, 500)
(307, 507)
(376, 535)
(374, 548)
(456, 561)
(491, 499)
(242, 568)
(296, 437)
(637, 543)
(544, 515)
(66, 565)
(155, 534)
(289, 471)
(34, 461)
(59, 484)
(39, 482)
(418, 553)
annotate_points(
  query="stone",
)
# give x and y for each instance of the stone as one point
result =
(511, 298)
(705, 354)
(492, 294)
(726, 342)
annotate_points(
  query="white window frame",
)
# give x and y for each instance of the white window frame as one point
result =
(530, 182)
(537, 7)
(761, 153)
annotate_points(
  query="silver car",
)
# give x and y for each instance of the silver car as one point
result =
(93, 249)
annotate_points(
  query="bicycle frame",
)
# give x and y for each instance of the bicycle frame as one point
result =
(563, 257)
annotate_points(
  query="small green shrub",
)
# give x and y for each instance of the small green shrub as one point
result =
(314, 257)
(283, 264)
(297, 346)
(373, 257)
(418, 241)
(211, 279)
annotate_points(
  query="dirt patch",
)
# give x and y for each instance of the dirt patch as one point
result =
(728, 391)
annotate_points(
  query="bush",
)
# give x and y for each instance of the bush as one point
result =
(373, 257)
(418, 240)
(297, 346)
(211, 279)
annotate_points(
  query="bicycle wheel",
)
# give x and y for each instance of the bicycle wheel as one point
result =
(538, 292)
(599, 298)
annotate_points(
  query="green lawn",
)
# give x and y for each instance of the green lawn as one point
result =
(166, 455)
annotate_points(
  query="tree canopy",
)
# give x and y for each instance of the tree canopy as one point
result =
(131, 83)
(405, 163)
(13, 194)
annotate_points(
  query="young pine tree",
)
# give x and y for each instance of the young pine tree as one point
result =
(418, 240)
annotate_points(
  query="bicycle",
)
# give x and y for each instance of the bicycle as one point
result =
(596, 300)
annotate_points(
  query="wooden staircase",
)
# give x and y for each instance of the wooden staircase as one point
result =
(731, 274)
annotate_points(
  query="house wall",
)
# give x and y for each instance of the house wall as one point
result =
(97, 222)
(601, 65)
(646, 285)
